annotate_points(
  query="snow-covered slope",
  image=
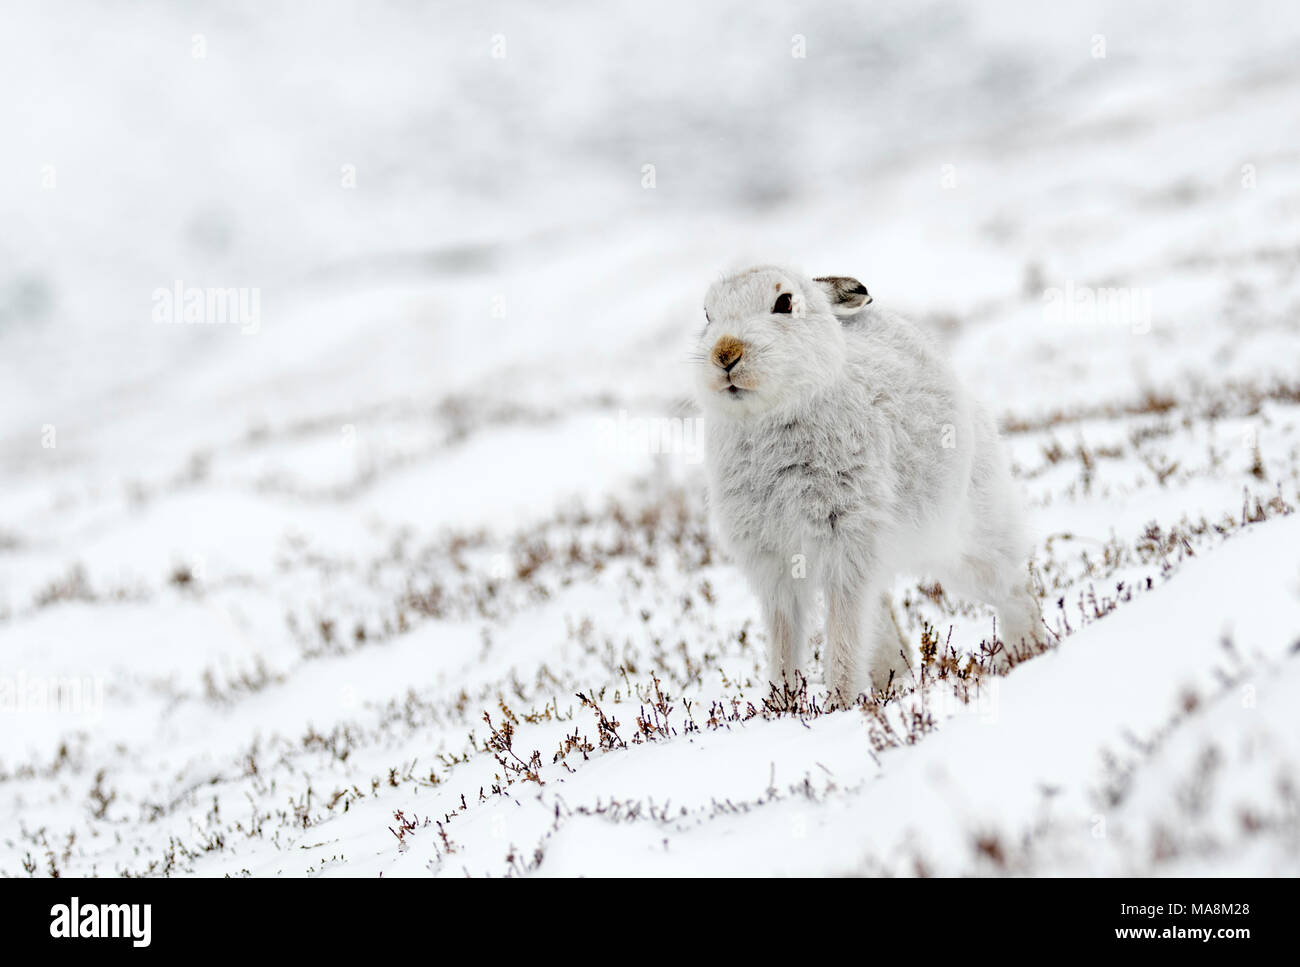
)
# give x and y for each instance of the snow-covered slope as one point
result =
(396, 586)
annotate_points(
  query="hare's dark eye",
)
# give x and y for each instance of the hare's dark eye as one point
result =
(707, 320)
(784, 303)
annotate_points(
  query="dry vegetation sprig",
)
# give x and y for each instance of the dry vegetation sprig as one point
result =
(501, 743)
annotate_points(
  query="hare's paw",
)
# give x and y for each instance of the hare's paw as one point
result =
(888, 670)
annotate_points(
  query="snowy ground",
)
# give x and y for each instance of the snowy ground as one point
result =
(393, 586)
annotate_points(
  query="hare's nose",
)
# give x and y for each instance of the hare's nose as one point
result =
(727, 352)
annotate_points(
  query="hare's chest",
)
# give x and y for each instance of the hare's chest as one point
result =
(776, 490)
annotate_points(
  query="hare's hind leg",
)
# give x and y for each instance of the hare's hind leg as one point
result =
(1003, 583)
(993, 565)
(1020, 623)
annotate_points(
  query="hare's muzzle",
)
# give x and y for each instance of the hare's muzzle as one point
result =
(727, 352)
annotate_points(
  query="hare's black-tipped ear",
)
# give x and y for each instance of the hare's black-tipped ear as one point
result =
(845, 295)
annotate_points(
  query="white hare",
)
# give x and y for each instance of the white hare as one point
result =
(841, 450)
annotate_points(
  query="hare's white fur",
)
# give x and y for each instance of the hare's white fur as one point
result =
(841, 451)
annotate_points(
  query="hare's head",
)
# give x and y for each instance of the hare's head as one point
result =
(772, 338)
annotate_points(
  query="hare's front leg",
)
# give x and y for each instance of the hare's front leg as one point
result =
(864, 645)
(888, 647)
(847, 615)
(784, 597)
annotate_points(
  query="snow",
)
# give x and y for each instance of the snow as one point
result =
(258, 598)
